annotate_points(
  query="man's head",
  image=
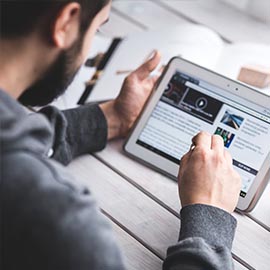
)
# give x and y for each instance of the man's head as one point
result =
(65, 27)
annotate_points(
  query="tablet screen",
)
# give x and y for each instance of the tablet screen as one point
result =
(189, 105)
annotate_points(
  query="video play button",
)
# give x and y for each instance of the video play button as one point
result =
(201, 103)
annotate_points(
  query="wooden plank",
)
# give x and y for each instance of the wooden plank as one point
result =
(231, 23)
(239, 266)
(152, 224)
(249, 235)
(136, 256)
(149, 14)
(128, 205)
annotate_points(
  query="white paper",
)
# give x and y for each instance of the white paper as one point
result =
(192, 42)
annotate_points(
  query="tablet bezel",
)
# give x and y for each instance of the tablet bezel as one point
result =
(169, 168)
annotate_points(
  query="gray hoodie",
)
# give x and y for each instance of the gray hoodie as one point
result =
(49, 221)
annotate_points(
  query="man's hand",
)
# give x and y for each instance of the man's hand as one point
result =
(122, 112)
(206, 174)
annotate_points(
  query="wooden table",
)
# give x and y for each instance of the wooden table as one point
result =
(143, 205)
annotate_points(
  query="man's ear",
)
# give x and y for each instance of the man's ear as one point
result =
(65, 29)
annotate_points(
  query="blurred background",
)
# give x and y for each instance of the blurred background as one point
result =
(259, 9)
(222, 35)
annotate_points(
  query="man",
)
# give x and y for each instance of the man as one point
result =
(48, 221)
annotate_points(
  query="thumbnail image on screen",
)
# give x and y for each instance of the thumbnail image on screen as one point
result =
(226, 135)
(189, 100)
(174, 91)
(232, 120)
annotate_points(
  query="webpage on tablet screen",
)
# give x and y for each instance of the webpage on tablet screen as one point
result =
(189, 105)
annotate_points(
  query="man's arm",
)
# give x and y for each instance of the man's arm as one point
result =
(76, 131)
(209, 189)
(51, 221)
(205, 240)
(86, 129)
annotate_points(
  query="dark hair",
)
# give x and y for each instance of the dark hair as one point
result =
(21, 17)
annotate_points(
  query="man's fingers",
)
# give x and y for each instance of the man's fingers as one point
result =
(154, 80)
(145, 69)
(203, 139)
(183, 165)
(217, 144)
(185, 158)
(228, 157)
(161, 69)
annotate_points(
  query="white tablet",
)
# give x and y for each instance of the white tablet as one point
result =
(189, 99)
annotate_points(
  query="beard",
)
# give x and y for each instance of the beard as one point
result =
(55, 80)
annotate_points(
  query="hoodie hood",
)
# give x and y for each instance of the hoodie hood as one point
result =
(22, 131)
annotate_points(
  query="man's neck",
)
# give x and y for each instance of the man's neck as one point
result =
(22, 63)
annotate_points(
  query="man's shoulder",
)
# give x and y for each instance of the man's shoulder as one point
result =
(35, 182)
(42, 207)
(25, 168)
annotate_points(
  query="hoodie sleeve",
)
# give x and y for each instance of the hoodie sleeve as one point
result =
(50, 221)
(76, 131)
(205, 240)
